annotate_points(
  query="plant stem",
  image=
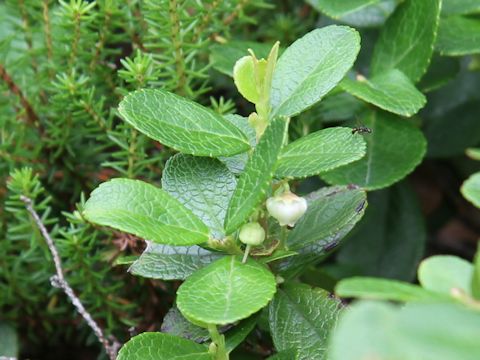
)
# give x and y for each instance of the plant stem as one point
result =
(245, 255)
(219, 340)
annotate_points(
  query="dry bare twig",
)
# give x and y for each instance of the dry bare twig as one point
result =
(60, 282)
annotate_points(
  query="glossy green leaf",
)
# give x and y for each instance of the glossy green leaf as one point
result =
(383, 289)
(326, 55)
(144, 210)
(406, 41)
(202, 185)
(392, 228)
(236, 163)
(235, 336)
(319, 152)
(226, 291)
(336, 107)
(301, 318)
(451, 7)
(361, 13)
(332, 212)
(442, 273)
(225, 56)
(441, 71)
(448, 138)
(289, 354)
(416, 331)
(473, 153)
(168, 262)
(174, 323)
(255, 180)
(391, 91)
(459, 36)
(394, 148)
(160, 346)
(8, 341)
(475, 286)
(181, 123)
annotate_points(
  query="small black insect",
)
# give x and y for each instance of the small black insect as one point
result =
(361, 130)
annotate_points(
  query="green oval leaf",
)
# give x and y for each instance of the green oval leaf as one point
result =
(181, 123)
(442, 273)
(383, 289)
(394, 148)
(451, 7)
(160, 346)
(458, 36)
(144, 210)
(255, 180)
(361, 13)
(319, 152)
(406, 41)
(326, 55)
(226, 291)
(332, 212)
(471, 189)
(168, 262)
(375, 330)
(392, 228)
(202, 185)
(301, 318)
(391, 91)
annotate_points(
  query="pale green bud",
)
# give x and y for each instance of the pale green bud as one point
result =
(252, 234)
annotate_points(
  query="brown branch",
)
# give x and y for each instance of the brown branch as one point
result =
(60, 282)
(32, 117)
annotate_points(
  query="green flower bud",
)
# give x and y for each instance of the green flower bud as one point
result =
(287, 208)
(252, 234)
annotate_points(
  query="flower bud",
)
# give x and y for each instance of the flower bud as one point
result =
(287, 208)
(252, 234)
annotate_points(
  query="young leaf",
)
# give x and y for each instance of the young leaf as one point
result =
(406, 41)
(301, 318)
(332, 212)
(160, 346)
(289, 354)
(458, 36)
(225, 56)
(457, 7)
(383, 289)
(144, 210)
(311, 67)
(181, 124)
(442, 273)
(319, 152)
(417, 331)
(392, 228)
(226, 291)
(361, 13)
(168, 262)
(202, 185)
(394, 148)
(391, 91)
(255, 180)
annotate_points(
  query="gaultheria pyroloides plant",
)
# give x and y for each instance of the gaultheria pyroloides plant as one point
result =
(225, 219)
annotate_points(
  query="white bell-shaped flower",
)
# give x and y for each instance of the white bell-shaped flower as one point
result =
(287, 208)
(252, 234)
